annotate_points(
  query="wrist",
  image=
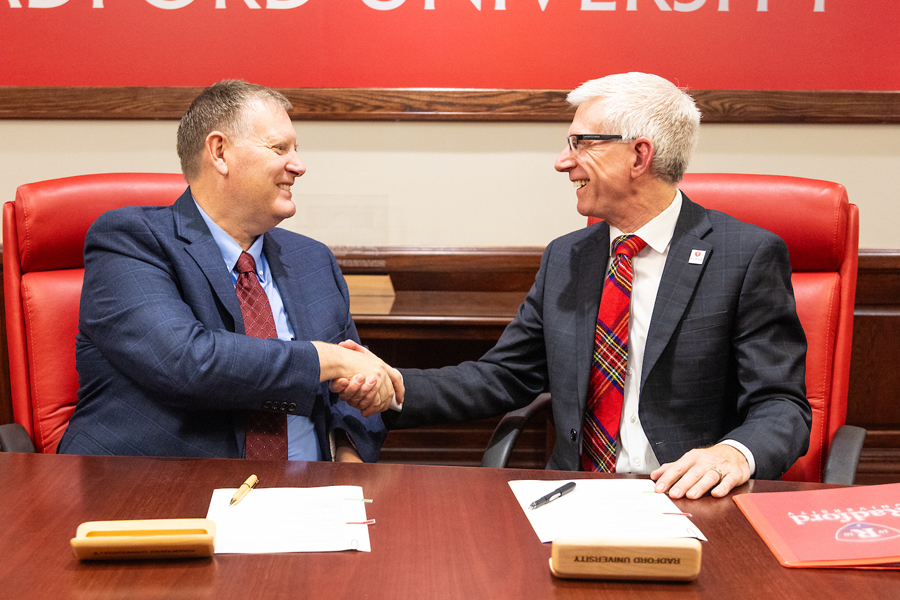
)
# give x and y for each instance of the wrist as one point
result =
(331, 361)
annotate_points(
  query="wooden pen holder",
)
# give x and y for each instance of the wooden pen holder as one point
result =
(138, 539)
(673, 559)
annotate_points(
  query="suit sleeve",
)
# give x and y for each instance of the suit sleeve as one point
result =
(770, 356)
(135, 312)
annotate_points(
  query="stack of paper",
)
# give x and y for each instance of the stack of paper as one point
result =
(322, 519)
(604, 508)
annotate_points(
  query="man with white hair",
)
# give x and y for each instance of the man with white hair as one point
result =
(667, 334)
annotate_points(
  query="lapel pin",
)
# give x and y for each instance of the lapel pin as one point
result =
(697, 257)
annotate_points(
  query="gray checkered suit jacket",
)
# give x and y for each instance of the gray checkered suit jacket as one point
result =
(725, 354)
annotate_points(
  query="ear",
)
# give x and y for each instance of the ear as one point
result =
(643, 155)
(214, 151)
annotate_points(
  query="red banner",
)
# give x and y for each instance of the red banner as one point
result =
(516, 44)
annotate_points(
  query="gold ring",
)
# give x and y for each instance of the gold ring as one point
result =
(720, 473)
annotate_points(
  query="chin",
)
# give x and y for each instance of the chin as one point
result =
(286, 210)
(585, 211)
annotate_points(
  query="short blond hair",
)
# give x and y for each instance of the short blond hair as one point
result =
(220, 107)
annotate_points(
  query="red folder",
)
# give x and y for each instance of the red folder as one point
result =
(853, 527)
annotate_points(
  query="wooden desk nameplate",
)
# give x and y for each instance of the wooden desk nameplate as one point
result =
(668, 559)
(140, 539)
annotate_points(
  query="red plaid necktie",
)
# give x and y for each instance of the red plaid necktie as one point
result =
(266, 431)
(604, 403)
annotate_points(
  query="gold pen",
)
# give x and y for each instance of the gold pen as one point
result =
(242, 491)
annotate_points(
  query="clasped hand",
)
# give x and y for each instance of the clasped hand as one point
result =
(375, 384)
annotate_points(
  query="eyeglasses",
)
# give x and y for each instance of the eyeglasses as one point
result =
(575, 140)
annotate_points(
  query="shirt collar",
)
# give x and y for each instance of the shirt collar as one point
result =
(231, 250)
(659, 231)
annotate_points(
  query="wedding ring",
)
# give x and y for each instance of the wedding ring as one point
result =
(720, 473)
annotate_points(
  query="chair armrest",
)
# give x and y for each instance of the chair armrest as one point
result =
(843, 456)
(502, 441)
(14, 438)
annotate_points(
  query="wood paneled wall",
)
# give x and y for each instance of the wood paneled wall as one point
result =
(875, 365)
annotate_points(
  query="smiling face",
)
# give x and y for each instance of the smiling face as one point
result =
(261, 168)
(600, 170)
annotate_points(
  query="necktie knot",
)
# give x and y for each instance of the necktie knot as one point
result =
(629, 245)
(245, 263)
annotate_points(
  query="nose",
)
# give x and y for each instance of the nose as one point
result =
(295, 166)
(564, 162)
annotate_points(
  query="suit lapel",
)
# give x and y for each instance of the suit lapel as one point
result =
(189, 225)
(284, 267)
(591, 256)
(679, 281)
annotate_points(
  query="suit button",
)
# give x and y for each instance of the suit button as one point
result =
(573, 435)
(292, 407)
(283, 406)
(267, 404)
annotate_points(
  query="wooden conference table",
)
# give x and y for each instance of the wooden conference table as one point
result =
(440, 532)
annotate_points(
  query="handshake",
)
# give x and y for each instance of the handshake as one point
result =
(360, 378)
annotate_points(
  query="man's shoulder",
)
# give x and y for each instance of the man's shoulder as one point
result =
(734, 233)
(285, 237)
(130, 219)
(726, 227)
(723, 220)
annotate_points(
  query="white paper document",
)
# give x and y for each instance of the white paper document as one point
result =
(319, 519)
(603, 507)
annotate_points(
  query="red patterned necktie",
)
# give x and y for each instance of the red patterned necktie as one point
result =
(604, 403)
(266, 431)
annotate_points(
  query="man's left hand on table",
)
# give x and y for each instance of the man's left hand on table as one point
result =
(717, 470)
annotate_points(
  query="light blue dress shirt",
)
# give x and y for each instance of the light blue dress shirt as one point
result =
(302, 441)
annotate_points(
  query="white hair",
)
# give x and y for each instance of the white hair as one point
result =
(643, 105)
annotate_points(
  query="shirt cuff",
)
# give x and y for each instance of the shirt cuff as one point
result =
(397, 406)
(332, 442)
(743, 450)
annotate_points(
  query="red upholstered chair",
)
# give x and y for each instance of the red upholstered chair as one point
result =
(821, 229)
(43, 269)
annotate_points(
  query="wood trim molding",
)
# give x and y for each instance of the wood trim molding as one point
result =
(874, 259)
(495, 269)
(378, 104)
(878, 281)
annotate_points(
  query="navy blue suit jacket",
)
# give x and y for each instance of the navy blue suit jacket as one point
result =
(164, 367)
(725, 356)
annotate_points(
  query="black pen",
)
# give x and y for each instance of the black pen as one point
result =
(557, 493)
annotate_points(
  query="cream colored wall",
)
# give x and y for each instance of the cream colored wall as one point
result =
(462, 184)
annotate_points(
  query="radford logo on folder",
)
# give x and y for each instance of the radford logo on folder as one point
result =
(865, 532)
